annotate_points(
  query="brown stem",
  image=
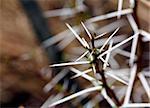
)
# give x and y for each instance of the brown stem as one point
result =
(109, 91)
(99, 69)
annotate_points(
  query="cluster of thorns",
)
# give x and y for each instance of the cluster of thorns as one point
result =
(95, 58)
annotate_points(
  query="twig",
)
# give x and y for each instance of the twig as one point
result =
(98, 69)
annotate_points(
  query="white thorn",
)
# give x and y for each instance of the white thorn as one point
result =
(70, 63)
(77, 36)
(87, 31)
(84, 54)
(130, 85)
(108, 39)
(145, 84)
(76, 95)
(109, 15)
(120, 4)
(80, 74)
(107, 56)
(118, 45)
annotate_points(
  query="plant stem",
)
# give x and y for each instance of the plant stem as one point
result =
(99, 69)
(109, 91)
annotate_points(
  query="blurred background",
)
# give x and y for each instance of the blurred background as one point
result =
(33, 35)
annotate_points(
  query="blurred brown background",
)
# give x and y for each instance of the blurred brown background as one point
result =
(22, 60)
